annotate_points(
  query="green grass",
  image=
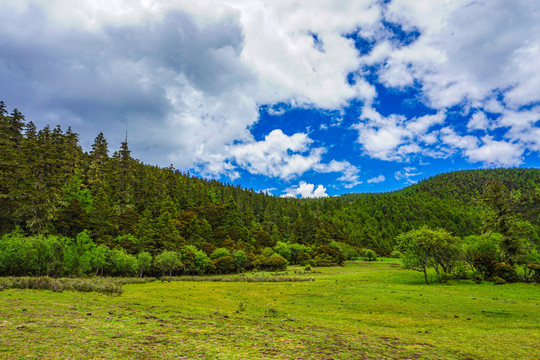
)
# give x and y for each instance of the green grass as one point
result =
(360, 311)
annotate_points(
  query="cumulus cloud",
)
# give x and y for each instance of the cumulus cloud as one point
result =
(306, 190)
(376, 179)
(350, 173)
(395, 137)
(278, 155)
(486, 150)
(283, 156)
(187, 79)
(478, 54)
(184, 78)
(467, 50)
(478, 121)
(498, 153)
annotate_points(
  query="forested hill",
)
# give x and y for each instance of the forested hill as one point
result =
(469, 185)
(49, 185)
(451, 200)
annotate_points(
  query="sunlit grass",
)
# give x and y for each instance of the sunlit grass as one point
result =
(362, 310)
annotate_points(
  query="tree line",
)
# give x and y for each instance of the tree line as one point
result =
(50, 188)
(506, 242)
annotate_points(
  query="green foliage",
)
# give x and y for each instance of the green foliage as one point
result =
(326, 255)
(275, 263)
(368, 255)
(283, 249)
(423, 248)
(505, 272)
(224, 265)
(484, 264)
(349, 251)
(203, 263)
(240, 260)
(124, 264)
(144, 261)
(219, 253)
(99, 258)
(78, 254)
(167, 262)
(48, 186)
(485, 244)
(36, 255)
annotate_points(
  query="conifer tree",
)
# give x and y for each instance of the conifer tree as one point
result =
(99, 157)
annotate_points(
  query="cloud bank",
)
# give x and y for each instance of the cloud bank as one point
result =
(187, 80)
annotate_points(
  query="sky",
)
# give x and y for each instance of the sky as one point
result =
(297, 98)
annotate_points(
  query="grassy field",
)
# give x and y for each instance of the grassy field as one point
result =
(360, 311)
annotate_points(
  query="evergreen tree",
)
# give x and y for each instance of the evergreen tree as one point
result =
(99, 157)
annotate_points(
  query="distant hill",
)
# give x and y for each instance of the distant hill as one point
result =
(468, 186)
(450, 200)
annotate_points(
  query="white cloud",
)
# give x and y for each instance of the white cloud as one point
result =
(485, 149)
(467, 50)
(395, 137)
(185, 78)
(478, 121)
(306, 190)
(278, 155)
(349, 172)
(376, 179)
(407, 173)
(281, 50)
(498, 153)
(285, 157)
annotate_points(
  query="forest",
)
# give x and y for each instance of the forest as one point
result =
(67, 212)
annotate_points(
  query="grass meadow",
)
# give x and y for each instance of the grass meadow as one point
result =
(364, 310)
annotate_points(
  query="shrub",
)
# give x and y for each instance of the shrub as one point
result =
(369, 255)
(240, 260)
(328, 256)
(276, 262)
(504, 271)
(224, 265)
(396, 254)
(484, 265)
(535, 270)
(283, 249)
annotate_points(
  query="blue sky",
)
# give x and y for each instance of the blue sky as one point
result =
(304, 99)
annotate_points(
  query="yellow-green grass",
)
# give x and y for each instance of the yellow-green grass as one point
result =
(363, 310)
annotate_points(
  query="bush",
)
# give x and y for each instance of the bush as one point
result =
(167, 262)
(224, 265)
(276, 262)
(504, 271)
(535, 270)
(484, 265)
(328, 256)
(102, 285)
(396, 254)
(368, 255)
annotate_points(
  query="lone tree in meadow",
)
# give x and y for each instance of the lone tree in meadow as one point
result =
(424, 248)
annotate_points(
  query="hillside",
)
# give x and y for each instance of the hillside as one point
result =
(48, 185)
